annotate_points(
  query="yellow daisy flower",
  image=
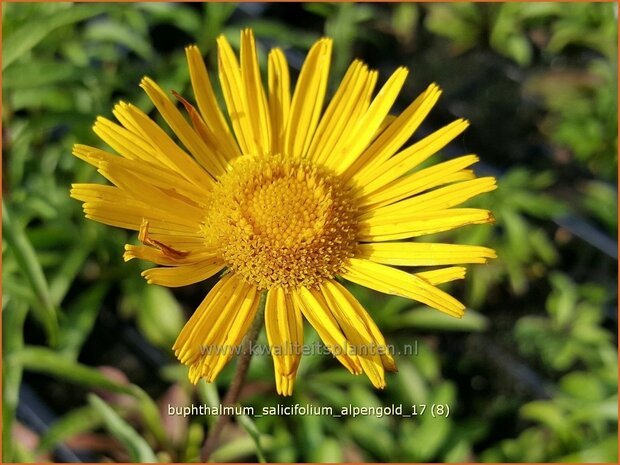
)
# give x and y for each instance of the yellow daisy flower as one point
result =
(284, 200)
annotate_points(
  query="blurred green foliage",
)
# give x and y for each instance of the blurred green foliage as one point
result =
(548, 302)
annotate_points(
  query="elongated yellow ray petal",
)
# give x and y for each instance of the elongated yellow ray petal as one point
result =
(410, 157)
(316, 311)
(284, 325)
(149, 194)
(443, 275)
(438, 199)
(349, 315)
(156, 174)
(186, 274)
(424, 254)
(231, 335)
(209, 159)
(166, 150)
(428, 178)
(367, 126)
(123, 141)
(207, 103)
(390, 227)
(234, 92)
(308, 99)
(197, 336)
(392, 281)
(337, 117)
(279, 98)
(158, 257)
(255, 98)
(396, 134)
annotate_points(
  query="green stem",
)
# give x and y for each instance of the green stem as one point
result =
(232, 395)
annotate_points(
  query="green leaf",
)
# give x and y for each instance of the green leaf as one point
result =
(150, 414)
(71, 266)
(238, 449)
(423, 318)
(72, 423)
(43, 360)
(138, 449)
(583, 385)
(330, 451)
(250, 427)
(80, 319)
(37, 74)
(31, 269)
(26, 37)
(118, 33)
(160, 317)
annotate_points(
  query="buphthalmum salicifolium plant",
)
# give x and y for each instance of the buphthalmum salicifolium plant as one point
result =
(286, 198)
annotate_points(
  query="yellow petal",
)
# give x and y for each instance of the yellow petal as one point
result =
(352, 318)
(158, 257)
(389, 227)
(198, 329)
(255, 98)
(396, 134)
(235, 96)
(110, 205)
(367, 126)
(337, 120)
(209, 159)
(410, 157)
(316, 311)
(308, 99)
(443, 275)
(233, 333)
(123, 141)
(166, 151)
(392, 281)
(185, 275)
(438, 199)
(137, 188)
(284, 325)
(424, 254)
(158, 175)
(425, 179)
(207, 103)
(279, 97)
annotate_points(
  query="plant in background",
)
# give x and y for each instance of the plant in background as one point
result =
(70, 306)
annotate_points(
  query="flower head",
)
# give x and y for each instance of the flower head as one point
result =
(285, 199)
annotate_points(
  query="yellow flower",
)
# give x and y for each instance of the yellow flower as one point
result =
(285, 199)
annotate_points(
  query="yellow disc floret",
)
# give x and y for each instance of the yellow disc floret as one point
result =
(281, 222)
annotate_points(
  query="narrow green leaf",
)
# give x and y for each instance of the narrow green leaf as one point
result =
(79, 320)
(238, 449)
(138, 449)
(25, 38)
(249, 426)
(121, 34)
(76, 421)
(44, 360)
(38, 73)
(160, 317)
(31, 268)
(207, 393)
(71, 265)
(151, 415)
(423, 318)
(330, 451)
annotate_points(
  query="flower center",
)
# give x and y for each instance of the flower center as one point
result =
(279, 222)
